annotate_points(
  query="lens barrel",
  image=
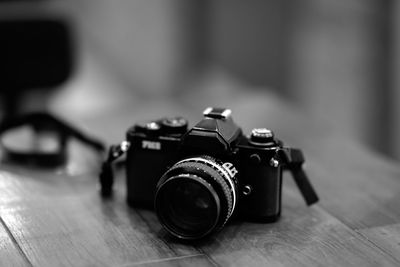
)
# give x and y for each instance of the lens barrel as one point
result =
(196, 197)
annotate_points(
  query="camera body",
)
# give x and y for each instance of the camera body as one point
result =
(254, 162)
(197, 179)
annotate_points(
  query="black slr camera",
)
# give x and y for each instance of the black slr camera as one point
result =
(197, 179)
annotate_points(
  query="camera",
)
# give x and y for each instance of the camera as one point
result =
(198, 179)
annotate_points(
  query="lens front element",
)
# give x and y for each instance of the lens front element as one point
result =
(195, 197)
(188, 206)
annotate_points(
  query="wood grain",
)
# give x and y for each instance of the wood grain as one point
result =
(196, 260)
(386, 237)
(303, 237)
(56, 224)
(10, 253)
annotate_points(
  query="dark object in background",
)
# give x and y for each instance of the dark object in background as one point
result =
(35, 54)
(207, 173)
(49, 147)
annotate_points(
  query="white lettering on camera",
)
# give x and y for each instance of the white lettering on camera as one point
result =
(230, 168)
(151, 145)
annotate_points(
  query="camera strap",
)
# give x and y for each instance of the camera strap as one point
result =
(41, 124)
(294, 159)
(106, 177)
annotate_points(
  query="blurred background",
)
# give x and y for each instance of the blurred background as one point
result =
(337, 61)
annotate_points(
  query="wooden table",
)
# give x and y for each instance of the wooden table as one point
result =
(57, 218)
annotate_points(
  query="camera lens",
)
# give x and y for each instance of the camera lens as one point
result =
(188, 207)
(196, 197)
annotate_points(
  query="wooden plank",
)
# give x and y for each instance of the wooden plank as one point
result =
(196, 260)
(386, 237)
(63, 221)
(357, 188)
(10, 253)
(303, 237)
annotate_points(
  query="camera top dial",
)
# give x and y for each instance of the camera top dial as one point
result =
(174, 125)
(262, 137)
